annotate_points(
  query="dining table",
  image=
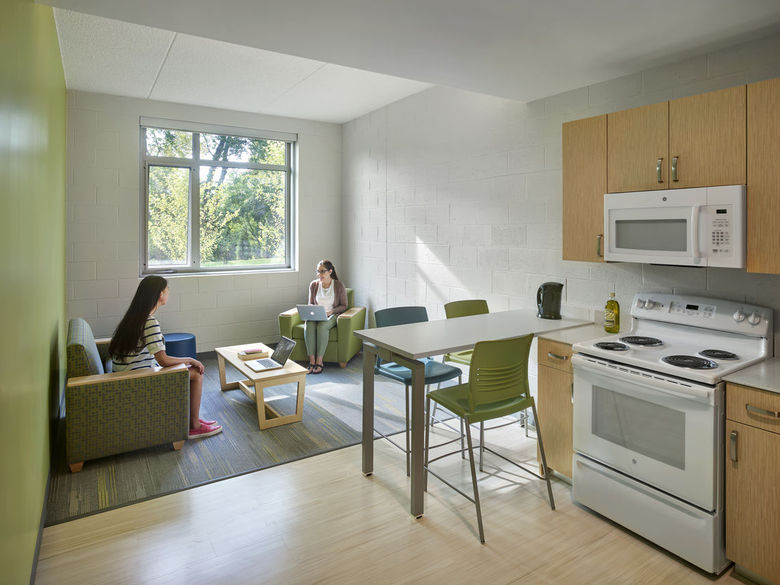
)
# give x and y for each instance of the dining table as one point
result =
(408, 345)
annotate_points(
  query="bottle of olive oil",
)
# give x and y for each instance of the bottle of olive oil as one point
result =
(612, 315)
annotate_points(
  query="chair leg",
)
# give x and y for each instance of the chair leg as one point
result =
(76, 467)
(481, 443)
(474, 483)
(428, 421)
(544, 459)
(408, 448)
(462, 439)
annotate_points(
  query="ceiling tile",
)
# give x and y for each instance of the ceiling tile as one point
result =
(108, 56)
(223, 75)
(340, 94)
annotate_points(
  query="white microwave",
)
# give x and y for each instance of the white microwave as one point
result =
(704, 226)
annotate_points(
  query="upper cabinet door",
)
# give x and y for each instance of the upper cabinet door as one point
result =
(707, 139)
(584, 185)
(763, 172)
(637, 144)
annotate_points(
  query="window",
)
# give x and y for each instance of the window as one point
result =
(216, 199)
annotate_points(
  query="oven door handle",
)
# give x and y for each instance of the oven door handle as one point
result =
(657, 383)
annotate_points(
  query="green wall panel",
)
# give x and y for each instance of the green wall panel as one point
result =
(32, 281)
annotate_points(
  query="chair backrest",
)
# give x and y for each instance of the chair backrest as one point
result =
(82, 352)
(400, 316)
(499, 370)
(465, 308)
(350, 297)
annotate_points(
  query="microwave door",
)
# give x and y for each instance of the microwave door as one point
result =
(653, 235)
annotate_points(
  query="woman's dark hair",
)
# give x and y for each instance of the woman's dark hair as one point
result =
(329, 266)
(128, 333)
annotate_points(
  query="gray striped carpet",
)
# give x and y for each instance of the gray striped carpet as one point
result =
(331, 420)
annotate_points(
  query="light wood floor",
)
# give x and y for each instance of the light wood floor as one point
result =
(320, 521)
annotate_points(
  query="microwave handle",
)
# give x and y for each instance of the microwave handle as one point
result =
(695, 212)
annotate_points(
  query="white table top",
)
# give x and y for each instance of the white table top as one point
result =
(418, 340)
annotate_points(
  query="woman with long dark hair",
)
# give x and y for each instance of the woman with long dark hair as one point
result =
(326, 290)
(138, 343)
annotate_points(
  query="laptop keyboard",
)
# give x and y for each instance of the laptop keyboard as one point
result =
(266, 362)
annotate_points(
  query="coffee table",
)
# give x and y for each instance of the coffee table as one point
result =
(256, 382)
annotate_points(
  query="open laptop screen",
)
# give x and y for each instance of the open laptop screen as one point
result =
(283, 350)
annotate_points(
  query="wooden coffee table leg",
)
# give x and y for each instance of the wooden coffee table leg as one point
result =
(299, 403)
(222, 379)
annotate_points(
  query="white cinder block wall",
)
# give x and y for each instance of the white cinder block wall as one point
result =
(103, 226)
(450, 194)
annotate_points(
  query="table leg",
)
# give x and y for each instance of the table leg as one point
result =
(418, 439)
(369, 359)
(222, 379)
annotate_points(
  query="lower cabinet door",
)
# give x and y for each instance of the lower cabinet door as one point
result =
(753, 499)
(555, 417)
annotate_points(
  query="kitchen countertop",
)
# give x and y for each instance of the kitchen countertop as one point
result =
(764, 376)
(576, 334)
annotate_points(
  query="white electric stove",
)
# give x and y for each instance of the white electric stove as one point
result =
(649, 418)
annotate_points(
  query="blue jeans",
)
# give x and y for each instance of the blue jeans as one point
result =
(316, 334)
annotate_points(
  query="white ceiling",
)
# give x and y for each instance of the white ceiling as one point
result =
(521, 49)
(109, 56)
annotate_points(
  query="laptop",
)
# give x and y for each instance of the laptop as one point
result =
(312, 312)
(278, 357)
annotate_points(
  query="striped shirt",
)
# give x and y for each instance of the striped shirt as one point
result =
(151, 342)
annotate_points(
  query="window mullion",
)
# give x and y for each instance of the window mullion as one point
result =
(195, 259)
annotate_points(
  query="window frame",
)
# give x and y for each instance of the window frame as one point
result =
(194, 165)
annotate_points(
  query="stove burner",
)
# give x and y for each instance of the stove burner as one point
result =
(640, 340)
(611, 346)
(689, 361)
(719, 354)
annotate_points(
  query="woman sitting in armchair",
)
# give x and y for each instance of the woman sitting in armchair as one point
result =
(328, 291)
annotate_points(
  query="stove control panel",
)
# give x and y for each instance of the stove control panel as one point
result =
(717, 314)
(693, 309)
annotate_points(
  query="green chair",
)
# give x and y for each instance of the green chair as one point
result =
(435, 372)
(342, 344)
(111, 413)
(465, 308)
(497, 387)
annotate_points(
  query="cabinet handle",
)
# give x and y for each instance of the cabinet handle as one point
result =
(658, 166)
(733, 446)
(599, 239)
(674, 168)
(555, 356)
(757, 410)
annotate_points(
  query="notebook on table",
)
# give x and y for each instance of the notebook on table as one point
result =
(278, 357)
(312, 312)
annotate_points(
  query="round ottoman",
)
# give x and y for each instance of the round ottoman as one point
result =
(180, 344)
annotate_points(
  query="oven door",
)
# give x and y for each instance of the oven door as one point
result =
(649, 427)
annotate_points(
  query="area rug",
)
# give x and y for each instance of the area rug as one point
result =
(331, 420)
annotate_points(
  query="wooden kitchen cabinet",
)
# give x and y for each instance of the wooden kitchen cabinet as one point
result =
(763, 177)
(637, 140)
(696, 141)
(554, 404)
(753, 481)
(707, 137)
(584, 185)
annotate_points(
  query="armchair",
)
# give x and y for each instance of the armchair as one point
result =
(342, 344)
(112, 413)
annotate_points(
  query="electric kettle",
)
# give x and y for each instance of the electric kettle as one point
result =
(548, 300)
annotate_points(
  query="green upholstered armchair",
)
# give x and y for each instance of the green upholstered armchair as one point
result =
(342, 344)
(106, 414)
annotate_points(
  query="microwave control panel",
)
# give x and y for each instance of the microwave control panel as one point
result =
(718, 218)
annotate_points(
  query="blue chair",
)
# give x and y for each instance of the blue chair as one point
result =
(435, 372)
